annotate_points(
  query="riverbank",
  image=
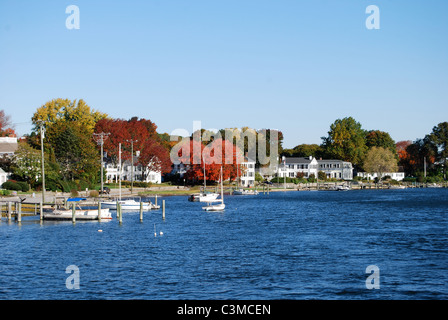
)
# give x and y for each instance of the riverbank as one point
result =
(160, 191)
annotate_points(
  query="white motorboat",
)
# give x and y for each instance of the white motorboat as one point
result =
(80, 214)
(242, 192)
(130, 204)
(220, 206)
(203, 196)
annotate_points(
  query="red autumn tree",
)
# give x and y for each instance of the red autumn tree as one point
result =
(139, 134)
(218, 153)
(6, 129)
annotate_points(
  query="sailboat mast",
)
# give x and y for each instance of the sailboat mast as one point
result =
(222, 192)
(205, 184)
(119, 168)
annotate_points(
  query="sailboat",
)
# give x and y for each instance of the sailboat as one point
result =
(203, 196)
(220, 206)
(129, 204)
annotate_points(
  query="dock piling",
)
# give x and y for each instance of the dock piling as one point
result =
(73, 213)
(41, 211)
(99, 211)
(9, 211)
(19, 212)
(163, 209)
(141, 211)
(120, 215)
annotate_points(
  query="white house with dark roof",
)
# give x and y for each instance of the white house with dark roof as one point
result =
(337, 169)
(4, 176)
(8, 145)
(293, 165)
(140, 172)
(248, 168)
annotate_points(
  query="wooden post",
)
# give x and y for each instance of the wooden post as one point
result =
(120, 215)
(73, 213)
(19, 212)
(99, 211)
(41, 209)
(156, 200)
(118, 209)
(9, 211)
(141, 211)
(163, 209)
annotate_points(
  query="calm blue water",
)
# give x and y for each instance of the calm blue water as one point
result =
(288, 245)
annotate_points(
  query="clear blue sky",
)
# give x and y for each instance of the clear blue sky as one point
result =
(287, 64)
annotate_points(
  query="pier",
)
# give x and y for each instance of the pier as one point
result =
(15, 208)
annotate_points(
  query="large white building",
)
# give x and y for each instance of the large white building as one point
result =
(248, 177)
(399, 176)
(140, 173)
(8, 146)
(4, 176)
(337, 169)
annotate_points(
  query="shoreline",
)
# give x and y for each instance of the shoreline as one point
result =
(36, 197)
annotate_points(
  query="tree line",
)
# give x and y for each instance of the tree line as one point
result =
(376, 151)
(72, 157)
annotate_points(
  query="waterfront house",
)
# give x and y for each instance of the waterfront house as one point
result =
(141, 173)
(4, 176)
(291, 166)
(248, 173)
(8, 145)
(308, 166)
(337, 169)
(399, 176)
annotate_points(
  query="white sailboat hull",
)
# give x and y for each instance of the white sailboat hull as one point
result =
(80, 214)
(203, 197)
(215, 207)
(128, 205)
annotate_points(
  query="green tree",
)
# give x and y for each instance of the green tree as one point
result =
(379, 160)
(26, 164)
(305, 150)
(69, 127)
(437, 140)
(346, 141)
(377, 138)
(322, 175)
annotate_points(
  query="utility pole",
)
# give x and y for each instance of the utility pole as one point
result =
(424, 165)
(132, 163)
(100, 137)
(284, 168)
(42, 131)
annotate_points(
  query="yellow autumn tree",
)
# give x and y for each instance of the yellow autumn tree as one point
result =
(69, 127)
(65, 110)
